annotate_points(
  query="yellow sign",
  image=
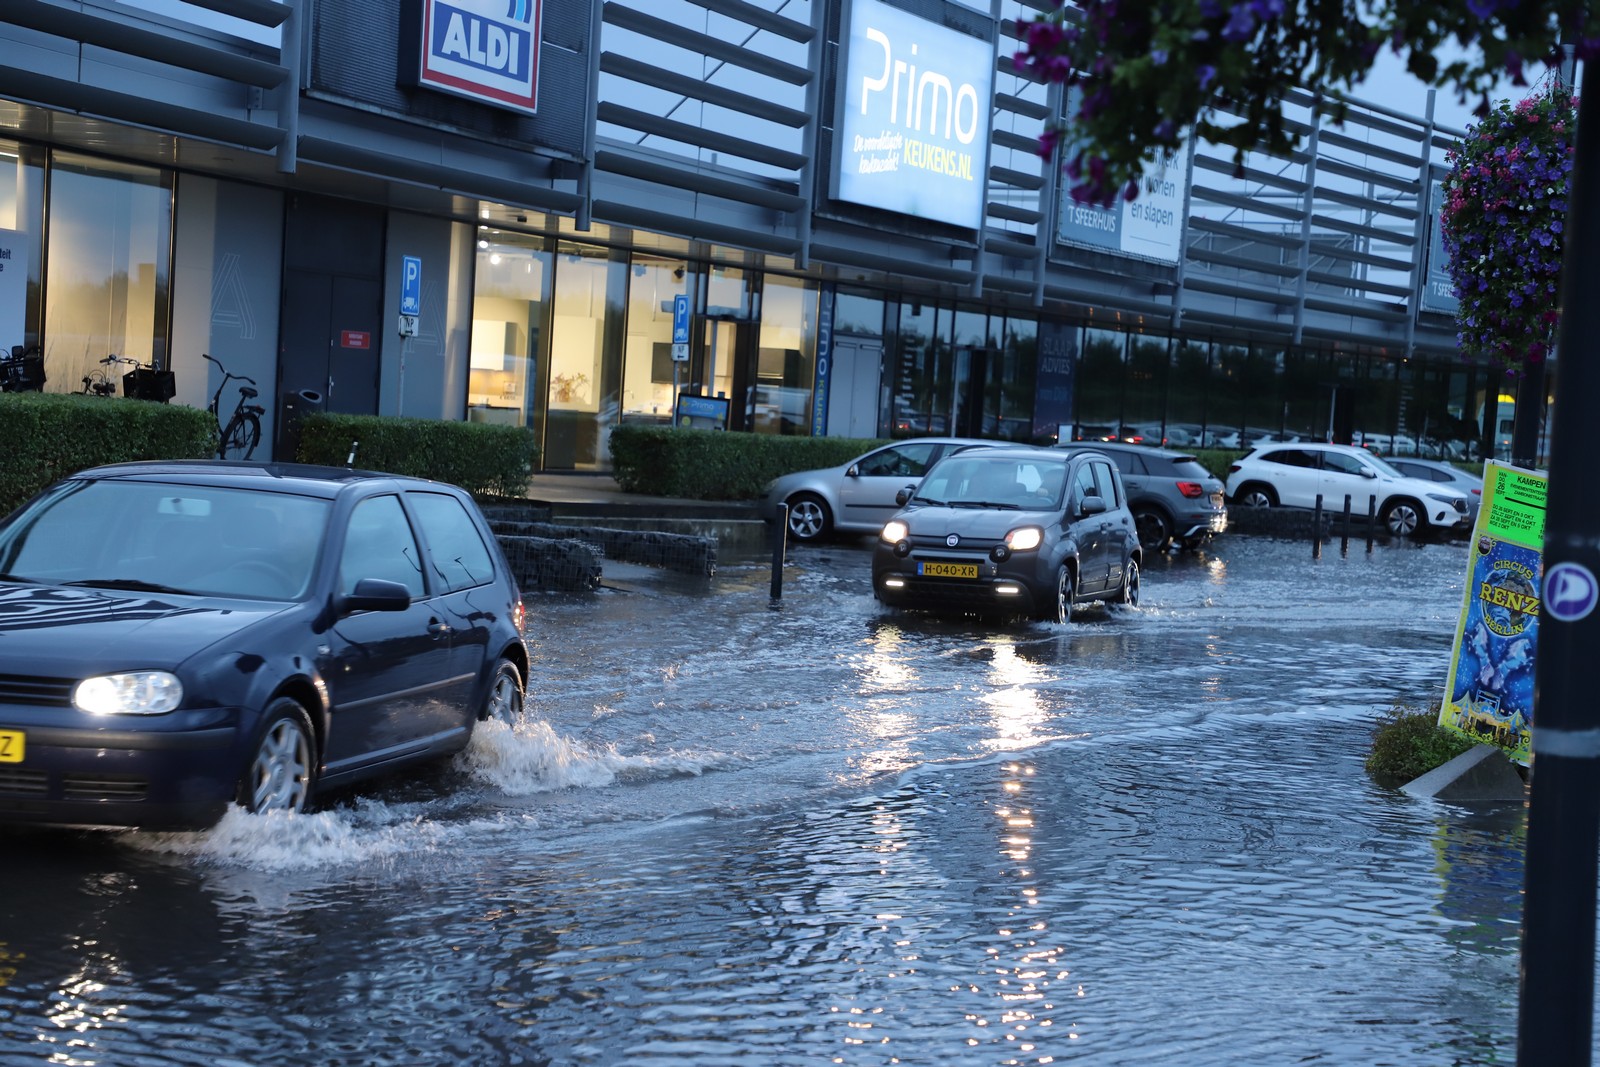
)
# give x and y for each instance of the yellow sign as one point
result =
(1488, 696)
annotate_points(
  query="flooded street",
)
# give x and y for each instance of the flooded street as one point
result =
(733, 831)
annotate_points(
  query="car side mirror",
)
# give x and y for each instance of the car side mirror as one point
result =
(1092, 505)
(854, 471)
(375, 594)
(904, 495)
(1368, 472)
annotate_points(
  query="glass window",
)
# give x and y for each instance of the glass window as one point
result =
(786, 357)
(21, 222)
(1106, 484)
(1083, 484)
(909, 459)
(1144, 399)
(1342, 464)
(106, 287)
(920, 393)
(1100, 386)
(649, 373)
(1018, 383)
(379, 544)
(509, 300)
(581, 394)
(853, 313)
(456, 551)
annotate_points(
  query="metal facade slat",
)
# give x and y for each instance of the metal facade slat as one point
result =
(470, 183)
(695, 229)
(1015, 141)
(1250, 174)
(116, 36)
(1393, 155)
(1016, 178)
(755, 16)
(1014, 213)
(1020, 106)
(1399, 183)
(261, 12)
(1398, 209)
(685, 178)
(59, 93)
(1199, 253)
(1344, 281)
(1356, 229)
(634, 70)
(1264, 207)
(672, 33)
(1244, 233)
(688, 133)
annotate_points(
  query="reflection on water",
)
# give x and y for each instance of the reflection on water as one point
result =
(819, 833)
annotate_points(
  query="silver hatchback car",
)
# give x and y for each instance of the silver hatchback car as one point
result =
(858, 497)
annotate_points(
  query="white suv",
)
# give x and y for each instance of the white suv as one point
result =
(1294, 475)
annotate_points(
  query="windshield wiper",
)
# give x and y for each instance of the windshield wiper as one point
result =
(136, 584)
(994, 504)
(927, 500)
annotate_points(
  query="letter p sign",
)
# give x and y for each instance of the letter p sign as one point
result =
(411, 285)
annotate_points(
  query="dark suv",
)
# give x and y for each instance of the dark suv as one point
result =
(1174, 500)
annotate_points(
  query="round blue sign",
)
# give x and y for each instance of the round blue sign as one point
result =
(1570, 592)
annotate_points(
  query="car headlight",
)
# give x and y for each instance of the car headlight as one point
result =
(1025, 538)
(895, 530)
(133, 693)
(1454, 501)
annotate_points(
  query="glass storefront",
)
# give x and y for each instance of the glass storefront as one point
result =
(582, 392)
(510, 299)
(109, 250)
(21, 223)
(650, 375)
(786, 357)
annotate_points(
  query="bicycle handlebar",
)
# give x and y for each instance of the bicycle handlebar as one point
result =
(227, 375)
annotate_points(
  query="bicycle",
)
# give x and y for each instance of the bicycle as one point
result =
(103, 382)
(242, 433)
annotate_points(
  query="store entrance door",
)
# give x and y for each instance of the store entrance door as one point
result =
(332, 302)
(728, 366)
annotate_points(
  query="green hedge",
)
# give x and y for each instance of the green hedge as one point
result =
(46, 436)
(713, 465)
(482, 458)
(1408, 743)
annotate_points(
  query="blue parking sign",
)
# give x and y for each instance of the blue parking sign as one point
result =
(680, 319)
(411, 285)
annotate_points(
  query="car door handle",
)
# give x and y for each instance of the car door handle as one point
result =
(437, 628)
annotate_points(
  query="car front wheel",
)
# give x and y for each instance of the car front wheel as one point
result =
(1130, 585)
(808, 517)
(283, 769)
(1066, 592)
(1403, 518)
(504, 700)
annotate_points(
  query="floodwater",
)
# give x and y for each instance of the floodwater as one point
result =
(739, 831)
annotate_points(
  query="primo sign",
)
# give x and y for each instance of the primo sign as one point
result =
(484, 50)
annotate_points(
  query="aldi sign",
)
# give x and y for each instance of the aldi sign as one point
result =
(485, 50)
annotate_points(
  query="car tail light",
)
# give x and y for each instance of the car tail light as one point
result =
(1233, 468)
(1191, 490)
(519, 616)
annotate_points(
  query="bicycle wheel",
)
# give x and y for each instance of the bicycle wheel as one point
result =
(239, 440)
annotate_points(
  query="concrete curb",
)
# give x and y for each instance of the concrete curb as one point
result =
(1481, 773)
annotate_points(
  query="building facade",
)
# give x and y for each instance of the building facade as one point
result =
(773, 216)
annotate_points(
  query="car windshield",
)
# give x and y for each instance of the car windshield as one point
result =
(167, 538)
(979, 479)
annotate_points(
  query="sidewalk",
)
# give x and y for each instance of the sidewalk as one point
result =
(595, 498)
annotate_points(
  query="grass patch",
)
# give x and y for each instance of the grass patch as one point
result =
(1408, 743)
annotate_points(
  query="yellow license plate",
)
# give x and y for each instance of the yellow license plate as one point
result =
(948, 570)
(10, 746)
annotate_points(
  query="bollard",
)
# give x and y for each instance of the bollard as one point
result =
(780, 539)
(1344, 538)
(1372, 521)
(1316, 530)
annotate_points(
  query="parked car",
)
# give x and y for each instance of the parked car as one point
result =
(1294, 475)
(1174, 499)
(857, 497)
(1011, 531)
(1446, 474)
(176, 637)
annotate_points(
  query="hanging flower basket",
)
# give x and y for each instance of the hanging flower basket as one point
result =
(1504, 220)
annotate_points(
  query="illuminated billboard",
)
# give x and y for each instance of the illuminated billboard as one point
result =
(912, 134)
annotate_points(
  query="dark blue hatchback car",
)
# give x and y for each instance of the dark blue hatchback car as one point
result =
(176, 637)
